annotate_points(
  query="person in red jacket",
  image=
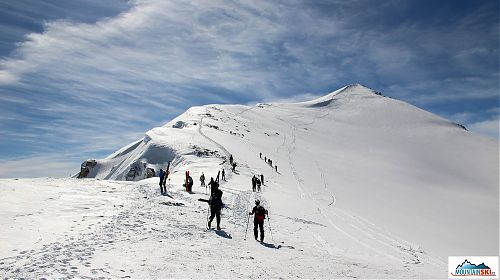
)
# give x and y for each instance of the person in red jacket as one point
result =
(258, 220)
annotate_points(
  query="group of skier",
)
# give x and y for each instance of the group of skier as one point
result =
(215, 201)
(223, 175)
(269, 161)
(257, 182)
(215, 204)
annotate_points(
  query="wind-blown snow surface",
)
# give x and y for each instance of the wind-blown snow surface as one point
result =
(367, 186)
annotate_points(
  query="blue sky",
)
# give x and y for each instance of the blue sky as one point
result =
(80, 79)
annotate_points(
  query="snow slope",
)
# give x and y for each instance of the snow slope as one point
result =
(367, 186)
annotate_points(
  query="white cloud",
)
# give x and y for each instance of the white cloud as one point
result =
(450, 89)
(7, 78)
(489, 127)
(154, 42)
(39, 166)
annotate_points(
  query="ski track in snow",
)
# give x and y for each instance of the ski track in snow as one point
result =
(400, 250)
(237, 215)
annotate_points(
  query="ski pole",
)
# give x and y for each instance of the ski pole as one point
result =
(270, 230)
(248, 220)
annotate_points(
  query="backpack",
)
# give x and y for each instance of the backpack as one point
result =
(260, 213)
(216, 200)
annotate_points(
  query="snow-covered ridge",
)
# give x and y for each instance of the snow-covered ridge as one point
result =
(167, 143)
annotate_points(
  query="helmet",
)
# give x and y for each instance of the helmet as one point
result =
(257, 202)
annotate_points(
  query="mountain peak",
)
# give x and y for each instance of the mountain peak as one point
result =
(358, 86)
(353, 90)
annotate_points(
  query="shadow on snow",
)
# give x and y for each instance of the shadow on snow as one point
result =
(224, 234)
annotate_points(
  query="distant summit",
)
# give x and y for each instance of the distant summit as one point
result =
(348, 92)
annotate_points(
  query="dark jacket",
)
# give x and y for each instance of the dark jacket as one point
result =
(214, 186)
(260, 213)
(215, 201)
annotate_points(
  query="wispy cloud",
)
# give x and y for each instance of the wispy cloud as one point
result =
(488, 127)
(40, 166)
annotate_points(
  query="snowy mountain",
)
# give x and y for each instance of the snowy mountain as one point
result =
(361, 185)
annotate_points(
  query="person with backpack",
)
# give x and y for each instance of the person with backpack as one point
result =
(262, 179)
(223, 175)
(231, 159)
(254, 183)
(258, 220)
(216, 206)
(258, 184)
(234, 166)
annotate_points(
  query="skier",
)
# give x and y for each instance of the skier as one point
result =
(190, 184)
(254, 182)
(276, 166)
(162, 175)
(166, 173)
(234, 166)
(260, 155)
(258, 220)
(262, 178)
(217, 178)
(231, 159)
(213, 185)
(202, 180)
(223, 175)
(265, 158)
(216, 206)
(258, 184)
